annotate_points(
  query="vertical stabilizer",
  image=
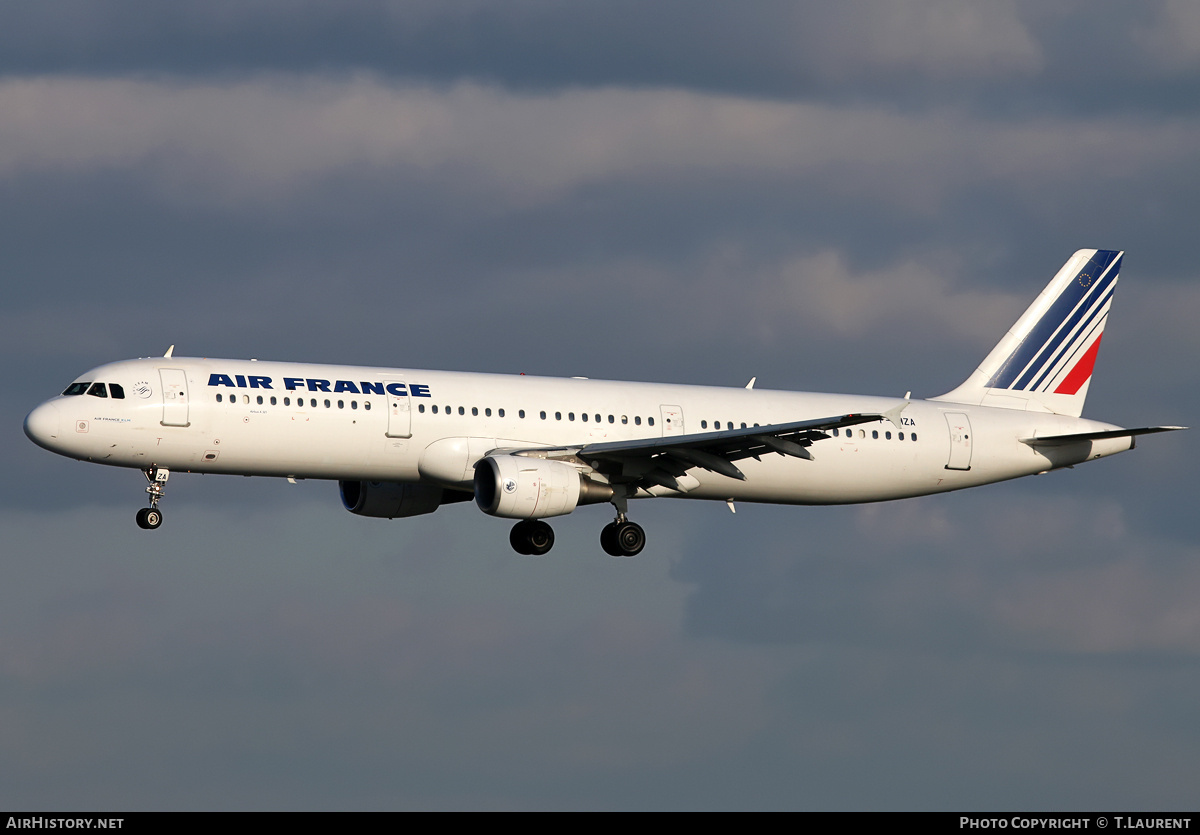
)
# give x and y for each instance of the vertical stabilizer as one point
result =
(1044, 363)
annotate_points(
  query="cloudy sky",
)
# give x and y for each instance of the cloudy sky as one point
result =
(856, 197)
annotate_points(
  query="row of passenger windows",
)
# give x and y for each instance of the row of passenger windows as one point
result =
(717, 424)
(118, 393)
(96, 390)
(583, 416)
(287, 401)
(887, 435)
(448, 410)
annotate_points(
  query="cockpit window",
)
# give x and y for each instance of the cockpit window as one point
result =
(117, 392)
(76, 388)
(98, 390)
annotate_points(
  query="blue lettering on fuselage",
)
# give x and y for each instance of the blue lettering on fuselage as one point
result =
(312, 384)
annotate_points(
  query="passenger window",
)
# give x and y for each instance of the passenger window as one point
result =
(326, 404)
(875, 434)
(354, 405)
(558, 415)
(76, 388)
(274, 402)
(650, 421)
(98, 390)
(218, 397)
(913, 436)
(887, 435)
(570, 416)
(313, 401)
(584, 417)
(341, 404)
(704, 424)
(901, 436)
(462, 410)
(420, 406)
(260, 402)
(246, 399)
(543, 415)
(487, 412)
(287, 401)
(612, 419)
(475, 411)
(597, 418)
(624, 418)
(367, 405)
(637, 420)
(117, 392)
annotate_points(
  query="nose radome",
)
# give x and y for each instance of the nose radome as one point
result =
(44, 425)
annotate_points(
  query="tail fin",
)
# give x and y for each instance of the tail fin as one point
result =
(1044, 363)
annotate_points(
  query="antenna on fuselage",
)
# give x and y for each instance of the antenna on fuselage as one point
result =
(170, 351)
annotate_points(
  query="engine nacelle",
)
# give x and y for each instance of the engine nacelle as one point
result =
(392, 500)
(519, 487)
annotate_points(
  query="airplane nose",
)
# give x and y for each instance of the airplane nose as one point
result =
(44, 425)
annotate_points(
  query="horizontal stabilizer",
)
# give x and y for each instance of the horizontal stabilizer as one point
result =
(1059, 440)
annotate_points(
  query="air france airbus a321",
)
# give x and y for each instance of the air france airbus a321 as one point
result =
(402, 442)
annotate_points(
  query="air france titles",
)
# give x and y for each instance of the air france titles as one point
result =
(255, 381)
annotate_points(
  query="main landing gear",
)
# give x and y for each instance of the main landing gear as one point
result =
(621, 538)
(531, 537)
(149, 518)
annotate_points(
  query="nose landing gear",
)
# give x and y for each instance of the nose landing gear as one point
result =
(149, 518)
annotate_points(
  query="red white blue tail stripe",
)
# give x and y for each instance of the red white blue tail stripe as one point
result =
(1056, 355)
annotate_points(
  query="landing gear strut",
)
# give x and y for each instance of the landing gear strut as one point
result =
(622, 538)
(532, 537)
(149, 518)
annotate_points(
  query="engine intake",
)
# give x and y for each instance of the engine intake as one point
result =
(517, 487)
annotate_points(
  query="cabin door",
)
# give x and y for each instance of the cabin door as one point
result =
(174, 392)
(399, 408)
(960, 441)
(672, 420)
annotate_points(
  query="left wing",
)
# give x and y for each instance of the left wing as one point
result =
(663, 461)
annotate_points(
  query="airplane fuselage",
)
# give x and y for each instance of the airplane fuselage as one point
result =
(402, 442)
(400, 425)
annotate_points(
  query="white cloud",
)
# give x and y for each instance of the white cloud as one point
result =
(1171, 40)
(938, 39)
(260, 140)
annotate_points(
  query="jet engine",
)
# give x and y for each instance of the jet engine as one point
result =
(392, 500)
(520, 487)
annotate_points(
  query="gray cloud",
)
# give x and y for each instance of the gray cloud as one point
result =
(857, 198)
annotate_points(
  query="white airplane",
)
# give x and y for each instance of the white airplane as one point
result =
(403, 442)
